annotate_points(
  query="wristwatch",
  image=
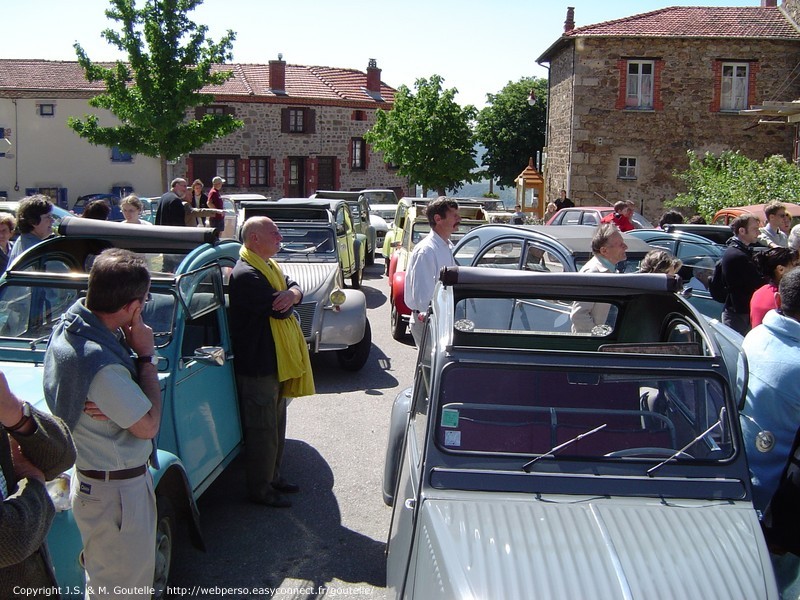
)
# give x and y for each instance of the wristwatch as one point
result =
(148, 358)
(26, 415)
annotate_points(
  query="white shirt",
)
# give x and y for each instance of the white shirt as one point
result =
(422, 272)
(585, 316)
(773, 238)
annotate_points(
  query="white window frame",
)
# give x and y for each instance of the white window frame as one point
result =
(297, 119)
(627, 167)
(357, 161)
(259, 171)
(734, 86)
(46, 109)
(639, 86)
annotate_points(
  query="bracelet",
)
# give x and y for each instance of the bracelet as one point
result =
(26, 415)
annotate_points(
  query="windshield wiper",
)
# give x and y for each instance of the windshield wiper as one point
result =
(651, 471)
(551, 453)
(38, 341)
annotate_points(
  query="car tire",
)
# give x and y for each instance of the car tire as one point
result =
(370, 258)
(398, 325)
(165, 542)
(355, 279)
(354, 357)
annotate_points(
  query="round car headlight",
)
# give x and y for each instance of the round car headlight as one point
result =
(337, 297)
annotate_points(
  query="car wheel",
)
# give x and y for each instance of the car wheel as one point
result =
(355, 279)
(354, 357)
(165, 539)
(398, 325)
(370, 258)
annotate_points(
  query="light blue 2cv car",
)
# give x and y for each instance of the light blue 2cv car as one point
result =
(200, 429)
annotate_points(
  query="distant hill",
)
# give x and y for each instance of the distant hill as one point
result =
(476, 190)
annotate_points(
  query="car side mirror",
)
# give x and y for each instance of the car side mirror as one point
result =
(340, 230)
(210, 355)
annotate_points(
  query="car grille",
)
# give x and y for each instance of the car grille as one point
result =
(306, 311)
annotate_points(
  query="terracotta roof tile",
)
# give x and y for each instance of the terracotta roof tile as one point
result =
(251, 80)
(697, 21)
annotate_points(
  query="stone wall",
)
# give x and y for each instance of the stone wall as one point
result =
(792, 8)
(659, 140)
(559, 135)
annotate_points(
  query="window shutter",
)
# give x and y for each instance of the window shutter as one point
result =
(244, 171)
(62, 197)
(284, 120)
(309, 120)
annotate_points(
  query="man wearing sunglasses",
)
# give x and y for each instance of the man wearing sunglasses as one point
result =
(91, 357)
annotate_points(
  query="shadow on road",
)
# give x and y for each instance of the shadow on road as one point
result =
(252, 546)
(377, 374)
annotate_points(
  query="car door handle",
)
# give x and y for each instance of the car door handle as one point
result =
(410, 503)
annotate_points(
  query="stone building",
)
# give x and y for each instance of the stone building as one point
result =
(629, 97)
(303, 131)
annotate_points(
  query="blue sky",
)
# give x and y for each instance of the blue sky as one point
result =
(476, 45)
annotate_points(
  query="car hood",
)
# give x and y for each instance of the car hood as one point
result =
(591, 548)
(313, 278)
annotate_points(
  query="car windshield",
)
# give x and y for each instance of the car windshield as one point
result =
(422, 228)
(387, 197)
(30, 312)
(487, 409)
(300, 242)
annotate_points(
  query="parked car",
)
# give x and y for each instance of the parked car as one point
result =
(379, 196)
(529, 460)
(11, 206)
(359, 209)
(395, 233)
(233, 216)
(725, 216)
(495, 209)
(113, 201)
(719, 234)
(200, 429)
(698, 254)
(332, 318)
(383, 205)
(416, 228)
(591, 215)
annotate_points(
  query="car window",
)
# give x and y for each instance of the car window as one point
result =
(31, 311)
(503, 255)
(589, 218)
(664, 244)
(539, 259)
(299, 242)
(553, 263)
(693, 249)
(502, 410)
(570, 217)
(466, 251)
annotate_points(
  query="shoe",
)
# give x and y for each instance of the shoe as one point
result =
(274, 500)
(284, 486)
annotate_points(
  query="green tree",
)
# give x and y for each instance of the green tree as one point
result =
(731, 179)
(511, 129)
(428, 135)
(170, 60)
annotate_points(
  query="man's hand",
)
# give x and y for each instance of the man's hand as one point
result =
(139, 335)
(22, 466)
(282, 301)
(10, 405)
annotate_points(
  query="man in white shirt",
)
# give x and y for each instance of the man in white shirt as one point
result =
(429, 256)
(772, 235)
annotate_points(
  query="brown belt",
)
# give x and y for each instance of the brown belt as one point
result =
(114, 475)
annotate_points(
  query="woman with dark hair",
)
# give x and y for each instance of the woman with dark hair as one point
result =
(774, 264)
(97, 209)
(198, 199)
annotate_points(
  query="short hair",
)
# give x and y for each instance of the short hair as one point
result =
(30, 211)
(250, 225)
(773, 258)
(670, 217)
(603, 233)
(659, 261)
(117, 277)
(97, 209)
(440, 206)
(620, 206)
(697, 220)
(176, 181)
(794, 237)
(197, 181)
(9, 220)
(742, 222)
(789, 289)
(773, 207)
(132, 200)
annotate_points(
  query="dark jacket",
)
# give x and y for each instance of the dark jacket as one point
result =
(170, 210)
(741, 275)
(28, 511)
(250, 309)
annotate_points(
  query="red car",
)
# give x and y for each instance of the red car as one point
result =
(591, 215)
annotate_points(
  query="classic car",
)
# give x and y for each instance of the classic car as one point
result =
(719, 234)
(725, 216)
(383, 205)
(200, 430)
(395, 233)
(362, 223)
(113, 201)
(332, 318)
(417, 227)
(528, 461)
(591, 215)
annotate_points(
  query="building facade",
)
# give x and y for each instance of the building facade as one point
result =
(628, 98)
(303, 131)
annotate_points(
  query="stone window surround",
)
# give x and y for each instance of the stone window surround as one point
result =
(752, 71)
(358, 154)
(259, 171)
(627, 167)
(622, 67)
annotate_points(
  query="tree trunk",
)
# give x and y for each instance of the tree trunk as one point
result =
(164, 182)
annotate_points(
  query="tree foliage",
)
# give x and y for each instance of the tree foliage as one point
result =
(169, 61)
(511, 129)
(428, 135)
(731, 179)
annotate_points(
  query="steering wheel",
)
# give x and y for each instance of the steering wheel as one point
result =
(658, 452)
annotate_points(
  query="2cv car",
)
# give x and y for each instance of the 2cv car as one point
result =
(200, 430)
(529, 461)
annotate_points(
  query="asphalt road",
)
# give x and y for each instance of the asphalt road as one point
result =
(331, 542)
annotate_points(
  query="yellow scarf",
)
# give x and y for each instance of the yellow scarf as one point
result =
(294, 364)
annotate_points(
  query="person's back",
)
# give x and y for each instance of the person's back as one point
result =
(170, 208)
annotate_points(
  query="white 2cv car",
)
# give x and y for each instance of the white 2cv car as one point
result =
(529, 461)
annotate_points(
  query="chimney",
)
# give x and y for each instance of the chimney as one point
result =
(373, 77)
(569, 24)
(277, 75)
(769, 3)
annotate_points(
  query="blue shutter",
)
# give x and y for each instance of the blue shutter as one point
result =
(2, 146)
(31, 191)
(62, 198)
